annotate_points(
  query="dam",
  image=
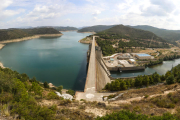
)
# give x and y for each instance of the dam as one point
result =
(97, 76)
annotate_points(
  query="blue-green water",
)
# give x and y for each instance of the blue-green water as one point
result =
(61, 61)
(160, 69)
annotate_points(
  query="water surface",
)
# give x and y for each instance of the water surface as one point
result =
(61, 61)
(160, 69)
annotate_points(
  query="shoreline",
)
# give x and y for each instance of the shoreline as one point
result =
(3, 43)
(28, 38)
(1, 65)
(84, 42)
(68, 31)
(87, 32)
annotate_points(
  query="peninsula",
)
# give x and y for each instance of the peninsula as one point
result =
(17, 35)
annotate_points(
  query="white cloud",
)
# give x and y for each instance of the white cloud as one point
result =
(97, 12)
(158, 13)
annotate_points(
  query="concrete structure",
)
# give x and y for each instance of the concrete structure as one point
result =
(124, 63)
(132, 61)
(125, 56)
(97, 78)
(142, 56)
(111, 60)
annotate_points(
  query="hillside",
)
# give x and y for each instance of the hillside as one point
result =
(96, 28)
(65, 28)
(26, 98)
(119, 37)
(169, 35)
(7, 34)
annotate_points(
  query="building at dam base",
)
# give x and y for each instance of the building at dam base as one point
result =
(126, 61)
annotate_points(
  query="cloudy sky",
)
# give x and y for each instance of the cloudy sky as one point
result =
(78, 13)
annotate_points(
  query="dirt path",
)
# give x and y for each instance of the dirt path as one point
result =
(128, 101)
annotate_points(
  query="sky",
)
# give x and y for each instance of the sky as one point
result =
(79, 13)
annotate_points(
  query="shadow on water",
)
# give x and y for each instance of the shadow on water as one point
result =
(81, 77)
(130, 71)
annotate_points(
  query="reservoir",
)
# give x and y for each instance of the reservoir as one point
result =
(61, 61)
(160, 69)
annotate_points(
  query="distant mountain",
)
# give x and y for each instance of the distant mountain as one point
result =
(169, 35)
(60, 28)
(7, 34)
(96, 28)
(65, 28)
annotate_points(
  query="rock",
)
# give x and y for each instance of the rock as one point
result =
(65, 96)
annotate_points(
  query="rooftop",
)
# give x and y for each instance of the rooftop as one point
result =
(132, 60)
(143, 55)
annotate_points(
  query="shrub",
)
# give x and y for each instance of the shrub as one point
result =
(146, 96)
(52, 95)
(71, 92)
(65, 102)
(170, 80)
(137, 109)
(82, 107)
(46, 85)
(59, 89)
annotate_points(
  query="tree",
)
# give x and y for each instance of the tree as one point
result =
(123, 85)
(151, 81)
(59, 89)
(156, 78)
(108, 86)
(36, 88)
(46, 85)
(24, 77)
(138, 81)
(163, 78)
(168, 73)
(146, 80)
(170, 80)
(117, 83)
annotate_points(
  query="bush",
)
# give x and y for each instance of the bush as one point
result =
(46, 85)
(52, 95)
(170, 80)
(59, 89)
(71, 92)
(82, 107)
(146, 96)
(65, 102)
(127, 115)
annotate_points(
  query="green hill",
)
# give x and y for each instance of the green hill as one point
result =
(96, 28)
(121, 37)
(7, 34)
(169, 35)
(65, 28)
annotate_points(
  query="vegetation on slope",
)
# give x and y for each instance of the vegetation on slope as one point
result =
(170, 77)
(127, 115)
(169, 35)
(37, 31)
(96, 28)
(7, 34)
(118, 38)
